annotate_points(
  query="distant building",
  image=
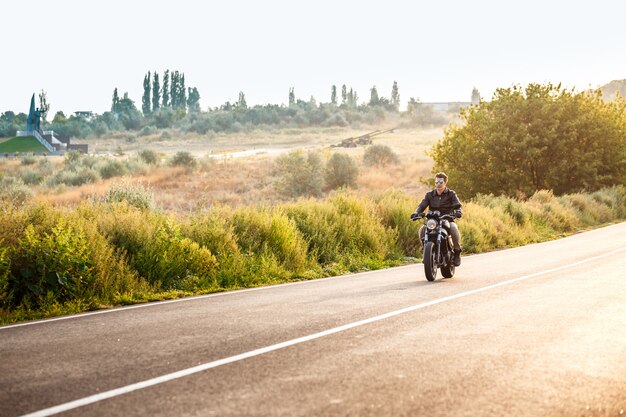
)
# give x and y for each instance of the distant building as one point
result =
(84, 114)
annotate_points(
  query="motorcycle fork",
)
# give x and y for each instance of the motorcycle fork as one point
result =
(439, 248)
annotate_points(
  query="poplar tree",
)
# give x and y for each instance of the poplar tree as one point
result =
(374, 99)
(395, 96)
(166, 89)
(116, 102)
(183, 93)
(333, 95)
(174, 89)
(344, 94)
(292, 97)
(145, 100)
(156, 92)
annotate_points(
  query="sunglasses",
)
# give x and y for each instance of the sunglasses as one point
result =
(439, 181)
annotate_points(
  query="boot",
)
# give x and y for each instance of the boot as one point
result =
(457, 258)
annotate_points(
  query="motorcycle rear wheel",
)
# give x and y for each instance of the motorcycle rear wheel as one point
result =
(430, 264)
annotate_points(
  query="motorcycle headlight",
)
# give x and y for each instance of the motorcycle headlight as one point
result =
(431, 224)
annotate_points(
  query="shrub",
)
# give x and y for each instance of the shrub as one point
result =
(110, 168)
(135, 195)
(380, 155)
(266, 235)
(149, 156)
(344, 230)
(184, 159)
(56, 261)
(341, 171)
(300, 175)
(14, 191)
(29, 160)
(31, 177)
(72, 157)
(394, 208)
(75, 176)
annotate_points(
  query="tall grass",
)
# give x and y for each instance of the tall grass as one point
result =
(102, 253)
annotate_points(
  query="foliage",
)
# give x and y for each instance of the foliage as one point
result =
(300, 174)
(183, 159)
(14, 191)
(149, 156)
(380, 155)
(54, 261)
(542, 137)
(135, 195)
(341, 171)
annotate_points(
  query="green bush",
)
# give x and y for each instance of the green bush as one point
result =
(300, 175)
(73, 176)
(14, 191)
(135, 195)
(72, 157)
(271, 237)
(110, 168)
(149, 156)
(176, 262)
(29, 160)
(31, 176)
(341, 171)
(183, 159)
(54, 262)
(380, 155)
(344, 231)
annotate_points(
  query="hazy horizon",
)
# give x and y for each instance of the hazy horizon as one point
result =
(436, 52)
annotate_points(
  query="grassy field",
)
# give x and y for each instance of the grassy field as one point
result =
(220, 176)
(25, 144)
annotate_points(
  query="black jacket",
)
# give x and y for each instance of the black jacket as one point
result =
(446, 203)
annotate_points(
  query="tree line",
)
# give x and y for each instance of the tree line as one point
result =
(167, 102)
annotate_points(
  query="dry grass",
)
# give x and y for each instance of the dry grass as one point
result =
(238, 181)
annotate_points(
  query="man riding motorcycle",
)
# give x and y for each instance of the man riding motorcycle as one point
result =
(445, 200)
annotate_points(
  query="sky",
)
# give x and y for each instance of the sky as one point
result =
(78, 52)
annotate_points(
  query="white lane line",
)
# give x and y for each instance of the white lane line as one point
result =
(235, 292)
(209, 365)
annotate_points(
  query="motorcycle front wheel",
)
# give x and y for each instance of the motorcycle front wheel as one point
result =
(430, 264)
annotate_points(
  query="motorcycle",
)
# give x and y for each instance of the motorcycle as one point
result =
(437, 241)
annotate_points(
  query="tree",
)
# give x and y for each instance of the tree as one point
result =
(116, 102)
(182, 99)
(540, 137)
(241, 103)
(44, 106)
(395, 96)
(374, 99)
(344, 94)
(333, 95)
(292, 97)
(145, 99)
(174, 79)
(129, 116)
(475, 96)
(193, 102)
(166, 89)
(156, 92)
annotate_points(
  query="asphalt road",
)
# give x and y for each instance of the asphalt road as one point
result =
(532, 331)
